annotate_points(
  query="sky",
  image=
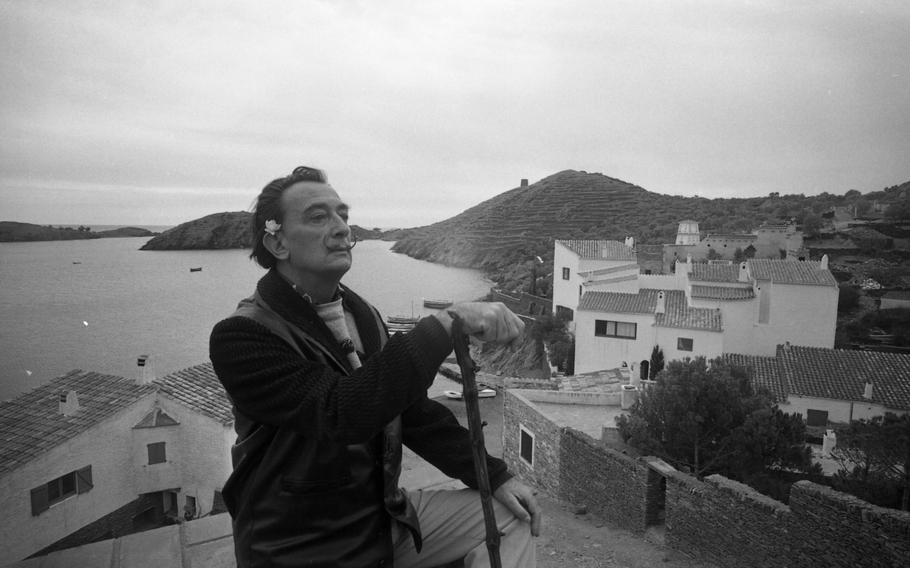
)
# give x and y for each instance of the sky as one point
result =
(160, 112)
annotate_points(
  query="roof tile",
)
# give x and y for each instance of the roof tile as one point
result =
(599, 250)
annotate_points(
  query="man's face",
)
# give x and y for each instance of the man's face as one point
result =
(315, 230)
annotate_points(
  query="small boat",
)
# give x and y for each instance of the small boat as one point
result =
(77, 262)
(437, 304)
(196, 269)
(482, 393)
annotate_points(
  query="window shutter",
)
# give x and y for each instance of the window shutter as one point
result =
(84, 480)
(39, 500)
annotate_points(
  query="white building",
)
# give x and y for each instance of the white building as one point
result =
(89, 456)
(581, 265)
(829, 386)
(707, 308)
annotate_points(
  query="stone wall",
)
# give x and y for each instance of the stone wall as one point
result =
(519, 412)
(720, 520)
(836, 529)
(725, 521)
(610, 484)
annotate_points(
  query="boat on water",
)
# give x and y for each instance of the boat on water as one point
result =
(436, 304)
(196, 269)
(400, 323)
(482, 393)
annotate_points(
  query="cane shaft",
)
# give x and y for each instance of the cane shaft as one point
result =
(475, 427)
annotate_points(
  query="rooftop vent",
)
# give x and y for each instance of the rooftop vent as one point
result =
(146, 372)
(68, 403)
(867, 391)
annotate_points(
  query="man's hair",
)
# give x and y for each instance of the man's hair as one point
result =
(268, 206)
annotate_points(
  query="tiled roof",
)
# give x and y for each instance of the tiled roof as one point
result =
(702, 272)
(842, 374)
(613, 269)
(722, 293)
(677, 312)
(791, 272)
(764, 372)
(731, 236)
(836, 374)
(599, 250)
(199, 388)
(31, 424)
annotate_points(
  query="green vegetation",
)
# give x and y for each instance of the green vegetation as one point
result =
(707, 419)
(874, 458)
(11, 231)
(502, 235)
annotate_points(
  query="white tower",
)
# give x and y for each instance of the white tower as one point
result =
(687, 234)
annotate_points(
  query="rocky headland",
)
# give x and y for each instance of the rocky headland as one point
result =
(220, 231)
(12, 231)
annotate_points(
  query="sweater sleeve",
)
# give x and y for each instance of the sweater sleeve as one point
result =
(433, 432)
(268, 381)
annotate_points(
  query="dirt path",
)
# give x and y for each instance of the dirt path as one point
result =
(584, 541)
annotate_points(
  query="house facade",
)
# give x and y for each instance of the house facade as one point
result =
(827, 386)
(773, 241)
(702, 309)
(579, 265)
(90, 456)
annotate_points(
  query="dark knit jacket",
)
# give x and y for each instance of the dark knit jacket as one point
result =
(308, 486)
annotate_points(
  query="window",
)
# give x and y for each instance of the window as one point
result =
(526, 446)
(606, 328)
(565, 273)
(564, 313)
(60, 489)
(816, 417)
(684, 344)
(157, 453)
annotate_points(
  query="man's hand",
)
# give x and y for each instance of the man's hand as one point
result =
(520, 499)
(487, 321)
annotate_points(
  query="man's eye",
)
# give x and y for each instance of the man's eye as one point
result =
(318, 217)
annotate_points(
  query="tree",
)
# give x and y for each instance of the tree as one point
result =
(847, 299)
(657, 362)
(874, 458)
(812, 224)
(899, 210)
(708, 419)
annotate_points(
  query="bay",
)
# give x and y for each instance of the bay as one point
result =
(97, 305)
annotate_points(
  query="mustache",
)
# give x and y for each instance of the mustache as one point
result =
(347, 246)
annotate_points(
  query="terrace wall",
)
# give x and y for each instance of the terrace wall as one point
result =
(717, 519)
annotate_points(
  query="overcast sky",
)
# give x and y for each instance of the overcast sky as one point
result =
(161, 112)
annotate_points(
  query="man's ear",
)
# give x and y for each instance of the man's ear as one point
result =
(275, 245)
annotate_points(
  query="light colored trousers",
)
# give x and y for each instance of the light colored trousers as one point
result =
(452, 525)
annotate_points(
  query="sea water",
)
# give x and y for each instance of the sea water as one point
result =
(97, 305)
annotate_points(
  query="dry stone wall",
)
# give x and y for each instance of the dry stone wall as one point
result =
(717, 519)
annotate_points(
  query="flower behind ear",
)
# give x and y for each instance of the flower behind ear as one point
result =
(272, 227)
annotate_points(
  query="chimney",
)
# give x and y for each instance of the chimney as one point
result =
(867, 390)
(524, 182)
(824, 264)
(146, 373)
(68, 403)
(661, 306)
(743, 272)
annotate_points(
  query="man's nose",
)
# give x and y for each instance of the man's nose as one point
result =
(340, 227)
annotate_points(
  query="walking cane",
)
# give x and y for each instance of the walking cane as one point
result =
(475, 427)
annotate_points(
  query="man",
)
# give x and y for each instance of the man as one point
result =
(323, 400)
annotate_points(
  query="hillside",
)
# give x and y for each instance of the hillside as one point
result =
(219, 231)
(11, 231)
(503, 234)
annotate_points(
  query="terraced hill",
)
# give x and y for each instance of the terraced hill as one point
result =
(502, 235)
(514, 226)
